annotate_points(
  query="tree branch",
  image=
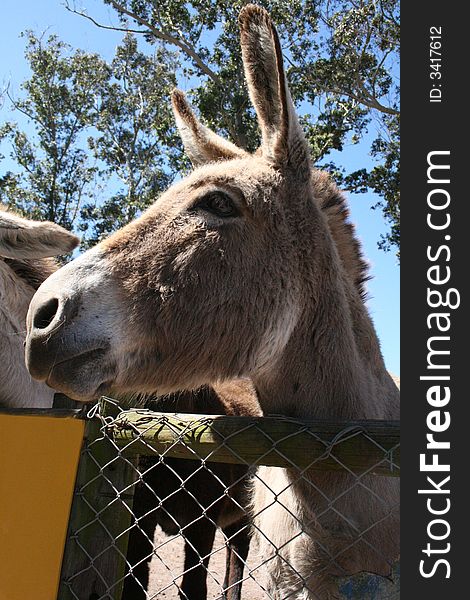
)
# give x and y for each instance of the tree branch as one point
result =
(366, 99)
(163, 35)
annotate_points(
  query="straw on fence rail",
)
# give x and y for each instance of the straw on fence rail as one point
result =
(360, 446)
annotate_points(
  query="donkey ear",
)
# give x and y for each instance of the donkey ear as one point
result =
(22, 239)
(282, 138)
(201, 144)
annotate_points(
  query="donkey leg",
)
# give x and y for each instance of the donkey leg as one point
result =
(140, 546)
(228, 561)
(237, 553)
(199, 539)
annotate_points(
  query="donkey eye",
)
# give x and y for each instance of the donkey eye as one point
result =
(220, 204)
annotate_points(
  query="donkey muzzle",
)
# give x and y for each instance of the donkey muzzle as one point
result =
(67, 344)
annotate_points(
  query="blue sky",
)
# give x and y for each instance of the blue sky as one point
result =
(50, 16)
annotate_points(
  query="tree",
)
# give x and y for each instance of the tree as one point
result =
(384, 179)
(101, 130)
(135, 138)
(341, 57)
(54, 173)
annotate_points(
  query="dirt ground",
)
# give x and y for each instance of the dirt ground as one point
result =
(166, 568)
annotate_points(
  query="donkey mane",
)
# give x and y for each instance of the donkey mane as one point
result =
(334, 205)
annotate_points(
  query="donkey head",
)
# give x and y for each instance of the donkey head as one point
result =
(24, 248)
(208, 283)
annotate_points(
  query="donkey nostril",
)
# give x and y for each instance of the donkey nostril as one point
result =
(45, 314)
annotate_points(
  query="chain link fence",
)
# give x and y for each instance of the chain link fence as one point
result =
(175, 506)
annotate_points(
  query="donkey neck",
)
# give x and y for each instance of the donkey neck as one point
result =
(331, 367)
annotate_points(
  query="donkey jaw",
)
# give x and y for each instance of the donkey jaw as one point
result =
(85, 377)
(83, 373)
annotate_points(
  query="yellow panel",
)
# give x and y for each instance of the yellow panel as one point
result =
(38, 463)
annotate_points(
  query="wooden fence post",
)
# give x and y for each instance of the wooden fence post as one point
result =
(95, 552)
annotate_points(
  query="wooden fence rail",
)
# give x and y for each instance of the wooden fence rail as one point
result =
(273, 441)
